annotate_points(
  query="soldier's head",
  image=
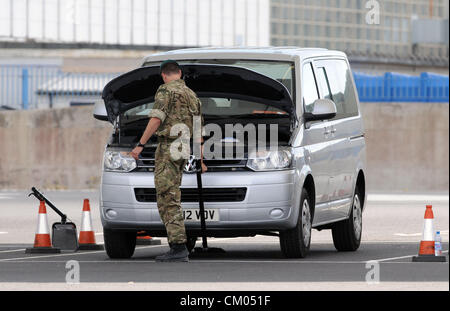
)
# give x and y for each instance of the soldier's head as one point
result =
(170, 71)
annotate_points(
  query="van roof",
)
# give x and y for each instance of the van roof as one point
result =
(288, 53)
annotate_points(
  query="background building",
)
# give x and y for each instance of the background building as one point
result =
(137, 22)
(342, 25)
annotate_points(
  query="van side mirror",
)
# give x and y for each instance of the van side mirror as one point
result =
(100, 111)
(323, 109)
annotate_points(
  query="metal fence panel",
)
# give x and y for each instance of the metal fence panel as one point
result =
(38, 86)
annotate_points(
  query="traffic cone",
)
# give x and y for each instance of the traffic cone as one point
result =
(86, 240)
(42, 241)
(426, 249)
(143, 239)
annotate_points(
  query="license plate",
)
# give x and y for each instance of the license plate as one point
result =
(193, 215)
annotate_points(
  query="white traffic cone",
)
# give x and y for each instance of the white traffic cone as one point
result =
(426, 249)
(86, 240)
(42, 241)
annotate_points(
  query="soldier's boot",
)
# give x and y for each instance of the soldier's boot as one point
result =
(177, 253)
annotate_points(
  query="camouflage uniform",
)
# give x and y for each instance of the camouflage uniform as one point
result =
(175, 104)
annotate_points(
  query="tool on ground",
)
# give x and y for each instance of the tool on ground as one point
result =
(204, 249)
(86, 240)
(42, 241)
(142, 238)
(64, 234)
(426, 249)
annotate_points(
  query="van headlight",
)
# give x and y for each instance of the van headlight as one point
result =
(270, 160)
(118, 161)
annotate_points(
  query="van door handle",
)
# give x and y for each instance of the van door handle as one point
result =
(327, 131)
(333, 130)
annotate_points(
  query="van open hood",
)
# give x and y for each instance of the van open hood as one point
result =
(139, 86)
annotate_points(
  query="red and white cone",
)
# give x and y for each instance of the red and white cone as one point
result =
(144, 239)
(426, 249)
(42, 240)
(86, 240)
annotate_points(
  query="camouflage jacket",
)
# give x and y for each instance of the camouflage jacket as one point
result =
(175, 103)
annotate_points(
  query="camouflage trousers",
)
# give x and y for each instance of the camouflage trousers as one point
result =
(168, 174)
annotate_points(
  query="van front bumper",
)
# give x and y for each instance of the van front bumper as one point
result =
(268, 203)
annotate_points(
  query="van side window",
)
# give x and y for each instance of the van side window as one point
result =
(309, 88)
(335, 75)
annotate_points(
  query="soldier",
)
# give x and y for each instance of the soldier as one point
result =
(175, 104)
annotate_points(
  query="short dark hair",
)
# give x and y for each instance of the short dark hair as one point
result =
(169, 67)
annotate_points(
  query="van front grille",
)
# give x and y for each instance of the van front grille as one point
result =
(147, 162)
(191, 194)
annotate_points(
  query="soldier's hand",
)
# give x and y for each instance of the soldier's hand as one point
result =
(136, 152)
(204, 167)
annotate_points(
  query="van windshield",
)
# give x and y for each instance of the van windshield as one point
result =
(281, 71)
(213, 108)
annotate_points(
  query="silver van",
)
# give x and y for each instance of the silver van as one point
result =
(315, 178)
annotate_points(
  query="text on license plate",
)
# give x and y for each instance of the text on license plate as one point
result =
(194, 214)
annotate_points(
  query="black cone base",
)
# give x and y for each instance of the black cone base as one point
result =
(42, 250)
(148, 242)
(90, 247)
(429, 258)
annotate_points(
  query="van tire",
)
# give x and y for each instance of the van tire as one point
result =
(292, 241)
(119, 244)
(345, 237)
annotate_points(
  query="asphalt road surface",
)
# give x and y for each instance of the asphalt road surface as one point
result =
(392, 226)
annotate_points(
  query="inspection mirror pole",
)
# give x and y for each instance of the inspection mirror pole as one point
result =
(204, 249)
(201, 204)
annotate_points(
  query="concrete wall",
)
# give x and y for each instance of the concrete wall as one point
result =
(407, 147)
(57, 149)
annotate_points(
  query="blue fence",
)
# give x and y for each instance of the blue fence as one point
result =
(395, 87)
(44, 86)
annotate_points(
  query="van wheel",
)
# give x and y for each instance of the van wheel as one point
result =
(347, 233)
(295, 242)
(119, 244)
(190, 244)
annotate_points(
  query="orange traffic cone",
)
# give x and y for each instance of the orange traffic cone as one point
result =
(426, 249)
(42, 241)
(144, 239)
(86, 240)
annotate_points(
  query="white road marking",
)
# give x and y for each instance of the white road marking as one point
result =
(68, 254)
(3, 232)
(400, 257)
(217, 240)
(193, 260)
(407, 198)
(13, 250)
(443, 232)
(408, 234)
